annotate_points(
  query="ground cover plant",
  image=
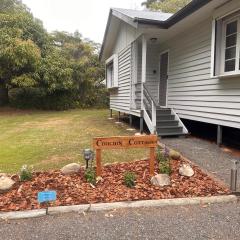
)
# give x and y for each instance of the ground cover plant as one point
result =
(49, 140)
(129, 179)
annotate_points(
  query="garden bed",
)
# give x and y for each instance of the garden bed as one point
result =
(73, 189)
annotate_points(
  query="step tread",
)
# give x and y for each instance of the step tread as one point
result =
(170, 127)
(171, 120)
(172, 134)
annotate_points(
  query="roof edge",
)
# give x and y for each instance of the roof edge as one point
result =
(178, 16)
(189, 9)
(105, 34)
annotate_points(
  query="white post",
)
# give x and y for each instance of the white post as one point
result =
(154, 118)
(144, 60)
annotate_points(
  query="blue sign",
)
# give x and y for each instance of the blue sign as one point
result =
(47, 196)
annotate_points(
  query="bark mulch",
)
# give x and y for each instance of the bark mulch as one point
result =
(74, 189)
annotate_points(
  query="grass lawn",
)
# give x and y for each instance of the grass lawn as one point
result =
(49, 140)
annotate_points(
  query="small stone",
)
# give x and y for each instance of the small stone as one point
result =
(186, 170)
(3, 174)
(138, 134)
(71, 168)
(161, 180)
(6, 183)
(20, 189)
(174, 155)
(99, 179)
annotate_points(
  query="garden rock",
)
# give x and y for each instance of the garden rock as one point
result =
(71, 168)
(161, 180)
(186, 170)
(3, 174)
(6, 183)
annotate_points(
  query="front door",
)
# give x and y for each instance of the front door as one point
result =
(163, 79)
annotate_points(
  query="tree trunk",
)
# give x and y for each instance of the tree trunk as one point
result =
(4, 100)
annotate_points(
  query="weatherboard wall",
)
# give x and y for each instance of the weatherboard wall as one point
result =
(191, 91)
(120, 97)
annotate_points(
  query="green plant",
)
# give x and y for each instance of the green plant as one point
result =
(25, 173)
(164, 167)
(90, 176)
(129, 179)
(161, 157)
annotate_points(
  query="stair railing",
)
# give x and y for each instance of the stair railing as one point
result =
(149, 109)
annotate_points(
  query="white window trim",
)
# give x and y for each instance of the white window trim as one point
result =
(222, 73)
(223, 47)
(113, 59)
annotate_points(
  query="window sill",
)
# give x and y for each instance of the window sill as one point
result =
(112, 88)
(225, 76)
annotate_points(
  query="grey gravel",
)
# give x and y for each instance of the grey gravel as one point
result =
(218, 221)
(206, 154)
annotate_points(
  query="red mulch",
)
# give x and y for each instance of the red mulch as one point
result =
(74, 189)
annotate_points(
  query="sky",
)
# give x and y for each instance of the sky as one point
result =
(89, 17)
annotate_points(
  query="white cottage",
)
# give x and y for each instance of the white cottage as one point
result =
(164, 68)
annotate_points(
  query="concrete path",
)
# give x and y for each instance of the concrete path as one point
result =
(205, 154)
(216, 221)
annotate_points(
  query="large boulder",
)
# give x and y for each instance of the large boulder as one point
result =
(161, 180)
(71, 168)
(6, 183)
(186, 170)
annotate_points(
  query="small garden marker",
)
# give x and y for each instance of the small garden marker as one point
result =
(47, 196)
(148, 141)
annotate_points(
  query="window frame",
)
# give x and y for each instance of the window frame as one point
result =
(223, 46)
(113, 82)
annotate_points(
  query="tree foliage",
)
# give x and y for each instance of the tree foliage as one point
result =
(40, 65)
(168, 6)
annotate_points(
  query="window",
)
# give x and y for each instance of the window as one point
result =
(231, 46)
(112, 72)
(227, 46)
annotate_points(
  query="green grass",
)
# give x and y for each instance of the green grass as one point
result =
(49, 140)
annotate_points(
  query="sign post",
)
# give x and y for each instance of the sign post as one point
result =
(126, 142)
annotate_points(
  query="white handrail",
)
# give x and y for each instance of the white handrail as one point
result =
(151, 121)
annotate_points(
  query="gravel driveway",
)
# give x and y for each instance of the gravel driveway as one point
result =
(205, 154)
(194, 222)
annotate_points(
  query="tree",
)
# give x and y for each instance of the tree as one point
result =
(148, 3)
(22, 37)
(168, 6)
(45, 70)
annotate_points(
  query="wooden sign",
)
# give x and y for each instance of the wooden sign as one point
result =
(148, 141)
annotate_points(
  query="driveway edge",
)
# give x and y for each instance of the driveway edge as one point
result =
(23, 214)
(118, 205)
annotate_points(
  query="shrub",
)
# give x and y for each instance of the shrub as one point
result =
(129, 179)
(163, 160)
(38, 98)
(25, 173)
(161, 156)
(174, 155)
(164, 167)
(90, 176)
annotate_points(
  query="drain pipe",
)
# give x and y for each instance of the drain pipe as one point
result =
(234, 172)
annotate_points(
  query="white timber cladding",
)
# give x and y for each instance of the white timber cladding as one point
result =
(192, 91)
(120, 97)
(126, 35)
